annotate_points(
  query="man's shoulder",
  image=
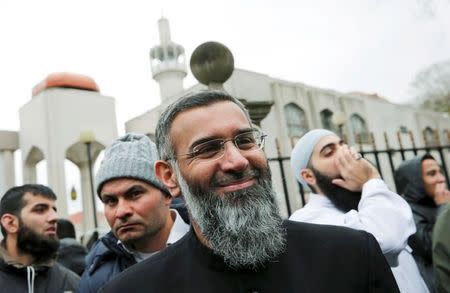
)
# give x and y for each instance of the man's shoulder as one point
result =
(301, 231)
(157, 269)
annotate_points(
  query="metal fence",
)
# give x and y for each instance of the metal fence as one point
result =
(380, 157)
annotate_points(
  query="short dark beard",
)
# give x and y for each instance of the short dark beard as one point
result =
(41, 247)
(243, 227)
(343, 199)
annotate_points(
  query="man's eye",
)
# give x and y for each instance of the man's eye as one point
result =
(207, 148)
(246, 141)
(108, 201)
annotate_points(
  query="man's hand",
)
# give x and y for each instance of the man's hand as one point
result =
(354, 170)
(441, 194)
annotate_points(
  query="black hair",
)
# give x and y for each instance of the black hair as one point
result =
(12, 201)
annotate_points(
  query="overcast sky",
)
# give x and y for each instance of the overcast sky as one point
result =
(353, 45)
(373, 46)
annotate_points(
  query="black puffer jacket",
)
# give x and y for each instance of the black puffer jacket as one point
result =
(408, 179)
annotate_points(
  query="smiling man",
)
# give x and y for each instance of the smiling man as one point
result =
(212, 154)
(137, 208)
(28, 252)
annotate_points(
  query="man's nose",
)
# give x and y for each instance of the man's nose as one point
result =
(53, 216)
(123, 209)
(233, 158)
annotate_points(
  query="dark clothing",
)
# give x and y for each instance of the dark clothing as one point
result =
(39, 278)
(409, 182)
(441, 250)
(71, 254)
(105, 260)
(318, 258)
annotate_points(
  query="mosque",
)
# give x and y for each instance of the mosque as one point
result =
(73, 121)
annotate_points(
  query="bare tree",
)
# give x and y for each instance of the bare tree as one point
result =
(431, 87)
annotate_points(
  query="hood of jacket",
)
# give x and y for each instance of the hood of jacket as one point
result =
(105, 249)
(409, 182)
(7, 263)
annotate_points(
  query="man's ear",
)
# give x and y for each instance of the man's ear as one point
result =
(10, 223)
(167, 176)
(308, 176)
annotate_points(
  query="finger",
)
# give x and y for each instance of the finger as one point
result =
(339, 182)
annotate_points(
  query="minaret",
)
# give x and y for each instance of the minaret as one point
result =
(168, 62)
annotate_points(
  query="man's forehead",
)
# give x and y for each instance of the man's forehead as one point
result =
(31, 199)
(429, 163)
(325, 141)
(208, 120)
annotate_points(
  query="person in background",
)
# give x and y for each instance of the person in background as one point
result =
(137, 208)
(441, 250)
(348, 191)
(28, 251)
(71, 253)
(421, 182)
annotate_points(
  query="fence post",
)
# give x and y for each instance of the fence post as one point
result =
(413, 143)
(283, 178)
(400, 143)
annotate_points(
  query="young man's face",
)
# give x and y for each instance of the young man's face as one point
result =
(135, 210)
(223, 120)
(324, 155)
(39, 215)
(431, 176)
(37, 231)
(323, 161)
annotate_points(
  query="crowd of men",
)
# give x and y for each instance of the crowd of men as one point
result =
(196, 212)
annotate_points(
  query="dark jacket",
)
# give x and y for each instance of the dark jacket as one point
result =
(104, 261)
(408, 179)
(318, 258)
(48, 277)
(72, 254)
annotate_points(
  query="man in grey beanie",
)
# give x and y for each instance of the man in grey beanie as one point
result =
(347, 191)
(137, 208)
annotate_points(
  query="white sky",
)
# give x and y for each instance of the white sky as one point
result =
(353, 45)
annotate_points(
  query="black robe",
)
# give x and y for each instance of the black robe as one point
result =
(318, 258)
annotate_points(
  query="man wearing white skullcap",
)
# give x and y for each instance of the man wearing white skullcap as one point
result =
(347, 191)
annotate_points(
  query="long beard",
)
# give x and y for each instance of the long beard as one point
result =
(243, 227)
(41, 247)
(344, 199)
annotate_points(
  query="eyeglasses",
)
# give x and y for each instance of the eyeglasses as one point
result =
(214, 149)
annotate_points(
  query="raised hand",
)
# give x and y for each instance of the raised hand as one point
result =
(441, 194)
(354, 170)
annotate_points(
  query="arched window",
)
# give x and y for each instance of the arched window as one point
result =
(359, 128)
(296, 121)
(326, 117)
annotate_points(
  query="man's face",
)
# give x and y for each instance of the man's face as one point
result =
(135, 210)
(235, 170)
(325, 170)
(37, 232)
(431, 175)
(324, 155)
(231, 198)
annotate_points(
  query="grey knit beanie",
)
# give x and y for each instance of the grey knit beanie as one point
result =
(302, 151)
(131, 156)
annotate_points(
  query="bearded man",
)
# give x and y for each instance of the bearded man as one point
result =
(347, 191)
(28, 251)
(212, 155)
